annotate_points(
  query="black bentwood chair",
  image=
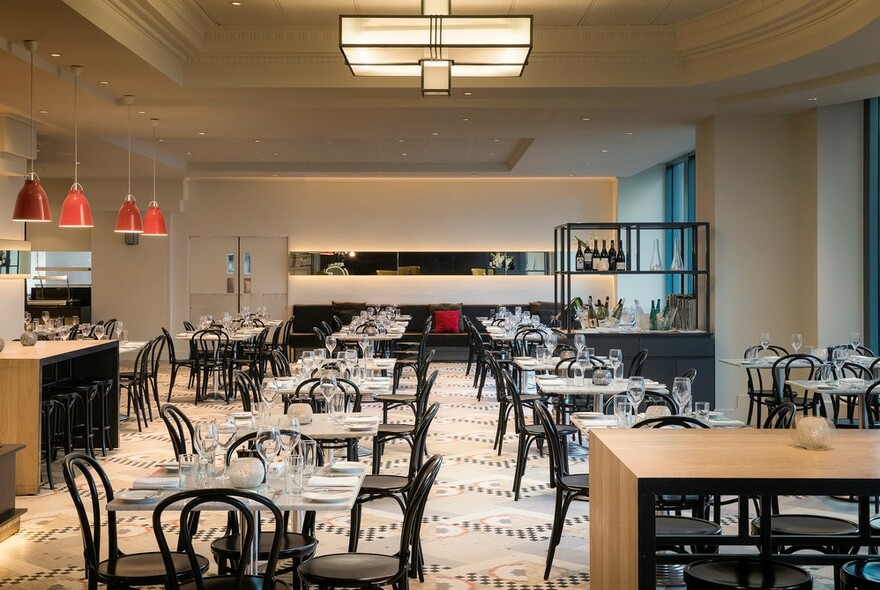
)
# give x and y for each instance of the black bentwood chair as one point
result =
(372, 570)
(118, 570)
(745, 574)
(241, 501)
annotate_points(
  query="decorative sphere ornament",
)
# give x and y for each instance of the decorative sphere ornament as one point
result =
(601, 377)
(246, 472)
(28, 339)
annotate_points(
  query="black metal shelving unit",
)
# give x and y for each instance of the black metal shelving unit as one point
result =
(692, 280)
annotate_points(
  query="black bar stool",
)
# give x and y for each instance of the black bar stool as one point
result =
(745, 574)
(671, 574)
(860, 575)
(78, 401)
(103, 386)
(48, 423)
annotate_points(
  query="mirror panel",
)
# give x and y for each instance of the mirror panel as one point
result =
(419, 263)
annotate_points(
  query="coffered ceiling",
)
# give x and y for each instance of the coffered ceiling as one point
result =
(261, 89)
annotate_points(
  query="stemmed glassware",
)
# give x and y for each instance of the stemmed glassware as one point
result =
(328, 385)
(551, 340)
(681, 392)
(45, 316)
(205, 439)
(117, 329)
(765, 341)
(363, 342)
(99, 331)
(290, 436)
(583, 361)
(580, 342)
(796, 342)
(615, 357)
(838, 357)
(308, 362)
(269, 393)
(342, 363)
(330, 343)
(855, 339)
(226, 431)
(84, 329)
(635, 391)
(268, 444)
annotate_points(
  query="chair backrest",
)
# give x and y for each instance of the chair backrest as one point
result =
(566, 367)
(526, 339)
(638, 363)
(311, 387)
(169, 344)
(109, 328)
(319, 335)
(210, 344)
(501, 394)
(781, 416)
(671, 421)
(423, 393)
(420, 438)
(76, 465)
(73, 331)
(279, 362)
(241, 501)
(420, 488)
(654, 398)
(511, 389)
(158, 345)
(248, 437)
(327, 329)
(246, 389)
(337, 321)
(554, 442)
(690, 375)
(754, 376)
(783, 367)
(180, 429)
(857, 371)
(871, 411)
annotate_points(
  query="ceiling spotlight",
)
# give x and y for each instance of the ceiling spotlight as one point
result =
(276, 153)
(103, 81)
(604, 151)
(257, 141)
(54, 55)
(464, 119)
(235, 3)
(142, 112)
(189, 153)
(468, 93)
(585, 118)
(630, 132)
(813, 98)
(161, 141)
(400, 140)
(201, 133)
(435, 133)
(403, 154)
(44, 112)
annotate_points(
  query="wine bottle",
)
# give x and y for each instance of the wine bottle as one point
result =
(604, 257)
(596, 254)
(588, 258)
(601, 313)
(652, 319)
(612, 257)
(579, 258)
(618, 310)
(620, 264)
(591, 309)
(607, 303)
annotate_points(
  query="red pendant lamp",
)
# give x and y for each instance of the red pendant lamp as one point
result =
(128, 220)
(32, 203)
(154, 221)
(75, 211)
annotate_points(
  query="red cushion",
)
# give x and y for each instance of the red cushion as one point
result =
(446, 321)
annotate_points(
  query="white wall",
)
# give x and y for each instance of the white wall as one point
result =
(641, 197)
(14, 145)
(399, 214)
(839, 237)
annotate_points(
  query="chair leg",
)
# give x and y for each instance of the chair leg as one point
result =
(354, 529)
(520, 467)
(377, 455)
(482, 371)
(174, 369)
(556, 534)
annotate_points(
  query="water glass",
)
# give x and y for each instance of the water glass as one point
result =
(702, 409)
(124, 337)
(259, 411)
(309, 452)
(293, 474)
(541, 353)
(337, 407)
(635, 391)
(188, 471)
(623, 410)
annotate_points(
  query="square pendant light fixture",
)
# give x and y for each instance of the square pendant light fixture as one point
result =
(436, 46)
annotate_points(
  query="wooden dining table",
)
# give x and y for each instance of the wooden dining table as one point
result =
(630, 468)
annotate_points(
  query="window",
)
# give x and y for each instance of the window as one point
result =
(680, 207)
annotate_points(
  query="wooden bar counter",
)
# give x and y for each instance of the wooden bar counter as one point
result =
(24, 370)
(629, 468)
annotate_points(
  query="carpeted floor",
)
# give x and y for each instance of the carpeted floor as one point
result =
(475, 534)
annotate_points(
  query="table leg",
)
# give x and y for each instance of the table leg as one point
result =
(253, 567)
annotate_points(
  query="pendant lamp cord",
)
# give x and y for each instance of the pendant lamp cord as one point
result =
(33, 147)
(155, 124)
(75, 133)
(129, 148)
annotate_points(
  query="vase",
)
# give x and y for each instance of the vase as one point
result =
(656, 263)
(676, 263)
(28, 338)
(303, 412)
(813, 432)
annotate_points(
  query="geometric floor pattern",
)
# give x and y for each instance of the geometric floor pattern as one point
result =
(475, 535)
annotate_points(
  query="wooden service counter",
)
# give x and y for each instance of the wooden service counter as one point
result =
(24, 371)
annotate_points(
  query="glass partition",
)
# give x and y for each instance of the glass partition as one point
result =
(419, 263)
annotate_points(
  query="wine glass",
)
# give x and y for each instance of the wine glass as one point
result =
(118, 329)
(330, 343)
(765, 341)
(580, 342)
(269, 393)
(635, 391)
(681, 392)
(341, 363)
(351, 356)
(838, 357)
(84, 329)
(615, 357)
(551, 340)
(328, 385)
(268, 444)
(45, 316)
(363, 342)
(99, 331)
(320, 356)
(855, 339)
(226, 431)
(796, 342)
(308, 362)
(205, 440)
(290, 435)
(583, 361)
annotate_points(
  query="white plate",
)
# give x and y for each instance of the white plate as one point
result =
(589, 415)
(716, 414)
(169, 465)
(327, 497)
(361, 419)
(242, 415)
(347, 467)
(137, 496)
(361, 427)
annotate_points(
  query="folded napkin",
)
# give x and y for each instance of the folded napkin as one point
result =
(851, 380)
(361, 419)
(555, 381)
(156, 483)
(321, 481)
(769, 358)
